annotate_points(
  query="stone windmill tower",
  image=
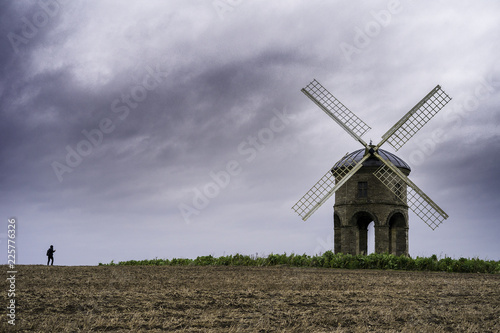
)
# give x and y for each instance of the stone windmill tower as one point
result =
(363, 199)
(371, 184)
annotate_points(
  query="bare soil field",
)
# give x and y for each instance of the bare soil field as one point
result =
(249, 299)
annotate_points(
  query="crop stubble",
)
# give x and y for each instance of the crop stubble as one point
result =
(266, 299)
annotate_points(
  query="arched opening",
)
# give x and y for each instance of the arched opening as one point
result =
(337, 234)
(398, 235)
(364, 220)
(371, 238)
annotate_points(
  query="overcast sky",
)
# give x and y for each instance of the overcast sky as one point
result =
(134, 130)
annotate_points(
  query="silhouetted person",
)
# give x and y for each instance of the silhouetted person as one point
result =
(50, 255)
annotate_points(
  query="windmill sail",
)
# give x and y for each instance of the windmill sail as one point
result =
(325, 187)
(416, 118)
(351, 123)
(415, 198)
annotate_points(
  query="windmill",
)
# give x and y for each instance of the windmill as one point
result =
(393, 177)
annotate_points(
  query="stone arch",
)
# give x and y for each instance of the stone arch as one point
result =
(398, 233)
(360, 222)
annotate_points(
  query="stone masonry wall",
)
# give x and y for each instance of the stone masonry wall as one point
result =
(353, 214)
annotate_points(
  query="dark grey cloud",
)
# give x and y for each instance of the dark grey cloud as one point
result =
(183, 94)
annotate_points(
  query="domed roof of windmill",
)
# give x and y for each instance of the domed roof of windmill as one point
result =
(372, 161)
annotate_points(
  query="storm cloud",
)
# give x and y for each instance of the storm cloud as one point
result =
(133, 130)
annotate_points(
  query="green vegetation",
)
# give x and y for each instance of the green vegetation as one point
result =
(331, 260)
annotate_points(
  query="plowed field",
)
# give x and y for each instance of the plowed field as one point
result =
(250, 299)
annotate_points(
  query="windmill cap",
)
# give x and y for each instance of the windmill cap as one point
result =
(372, 161)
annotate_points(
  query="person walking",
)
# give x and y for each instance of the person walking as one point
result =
(50, 255)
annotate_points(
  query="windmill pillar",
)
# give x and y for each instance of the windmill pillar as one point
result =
(382, 238)
(349, 240)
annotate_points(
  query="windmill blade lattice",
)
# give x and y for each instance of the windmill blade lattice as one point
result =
(315, 195)
(336, 110)
(323, 189)
(421, 205)
(343, 167)
(416, 118)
